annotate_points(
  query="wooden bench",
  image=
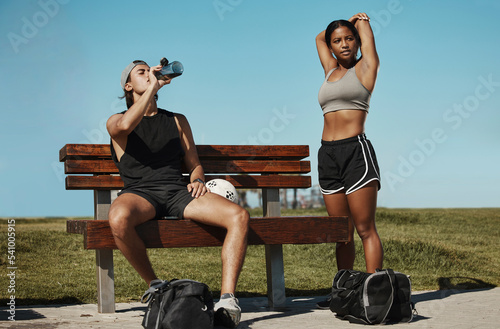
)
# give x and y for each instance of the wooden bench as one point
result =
(89, 167)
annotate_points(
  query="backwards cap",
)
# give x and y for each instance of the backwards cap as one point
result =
(128, 69)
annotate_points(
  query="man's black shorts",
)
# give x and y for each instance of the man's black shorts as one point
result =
(347, 164)
(169, 200)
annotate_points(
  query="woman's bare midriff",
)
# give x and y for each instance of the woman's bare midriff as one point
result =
(343, 124)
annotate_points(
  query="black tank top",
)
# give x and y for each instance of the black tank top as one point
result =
(153, 153)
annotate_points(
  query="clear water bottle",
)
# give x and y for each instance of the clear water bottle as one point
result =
(169, 70)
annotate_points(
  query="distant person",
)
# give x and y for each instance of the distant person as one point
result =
(348, 171)
(148, 145)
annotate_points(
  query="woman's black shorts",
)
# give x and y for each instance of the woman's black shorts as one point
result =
(347, 164)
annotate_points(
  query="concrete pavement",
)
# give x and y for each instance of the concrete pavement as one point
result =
(436, 309)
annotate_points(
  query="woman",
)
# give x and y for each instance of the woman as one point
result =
(348, 169)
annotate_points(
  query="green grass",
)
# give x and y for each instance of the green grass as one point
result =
(439, 248)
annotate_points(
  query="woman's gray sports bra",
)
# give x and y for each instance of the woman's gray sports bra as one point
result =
(345, 94)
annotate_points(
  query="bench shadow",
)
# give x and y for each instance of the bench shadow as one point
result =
(134, 309)
(300, 303)
(27, 314)
(25, 306)
(290, 293)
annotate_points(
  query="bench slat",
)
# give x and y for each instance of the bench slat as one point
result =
(108, 182)
(248, 152)
(220, 152)
(187, 233)
(90, 167)
(209, 166)
(84, 151)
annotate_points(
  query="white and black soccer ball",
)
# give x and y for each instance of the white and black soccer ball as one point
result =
(223, 188)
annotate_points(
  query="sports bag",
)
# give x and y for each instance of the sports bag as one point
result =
(372, 298)
(179, 304)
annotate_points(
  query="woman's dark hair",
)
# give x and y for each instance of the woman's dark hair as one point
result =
(335, 25)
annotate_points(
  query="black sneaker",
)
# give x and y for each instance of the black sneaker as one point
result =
(324, 304)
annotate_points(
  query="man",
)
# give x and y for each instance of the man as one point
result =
(148, 145)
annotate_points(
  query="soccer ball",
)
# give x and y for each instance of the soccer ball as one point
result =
(223, 188)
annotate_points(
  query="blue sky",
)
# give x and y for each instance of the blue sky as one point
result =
(251, 77)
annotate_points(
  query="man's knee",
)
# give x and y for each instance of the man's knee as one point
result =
(240, 218)
(119, 221)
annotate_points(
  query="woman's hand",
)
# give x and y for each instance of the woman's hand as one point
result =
(359, 16)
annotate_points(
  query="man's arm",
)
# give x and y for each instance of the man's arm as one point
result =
(120, 125)
(191, 157)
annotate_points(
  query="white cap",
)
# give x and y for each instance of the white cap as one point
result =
(129, 69)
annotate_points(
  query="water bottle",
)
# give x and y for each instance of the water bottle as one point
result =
(169, 70)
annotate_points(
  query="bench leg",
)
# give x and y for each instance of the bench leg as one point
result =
(104, 257)
(274, 254)
(275, 276)
(105, 281)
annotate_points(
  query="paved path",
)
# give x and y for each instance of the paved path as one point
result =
(436, 309)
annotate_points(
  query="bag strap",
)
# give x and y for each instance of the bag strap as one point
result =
(353, 319)
(193, 289)
(161, 313)
(348, 274)
(392, 278)
(149, 293)
(345, 275)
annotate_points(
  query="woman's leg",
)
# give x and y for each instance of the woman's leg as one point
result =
(362, 206)
(336, 205)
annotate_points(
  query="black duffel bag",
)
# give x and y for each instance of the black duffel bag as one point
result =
(179, 304)
(372, 298)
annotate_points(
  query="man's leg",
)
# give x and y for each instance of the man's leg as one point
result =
(212, 209)
(126, 212)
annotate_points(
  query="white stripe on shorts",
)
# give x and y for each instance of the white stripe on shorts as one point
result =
(364, 145)
(323, 191)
